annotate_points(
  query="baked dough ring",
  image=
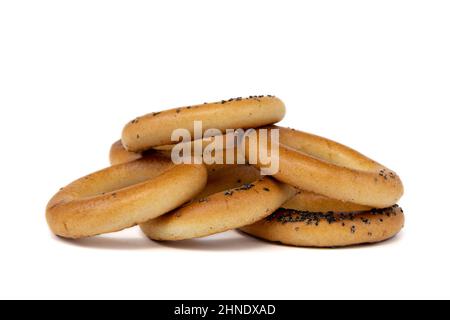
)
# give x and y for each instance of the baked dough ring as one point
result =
(122, 196)
(325, 167)
(156, 129)
(306, 229)
(220, 212)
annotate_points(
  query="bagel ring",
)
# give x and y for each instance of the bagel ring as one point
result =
(328, 229)
(325, 167)
(220, 212)
(156, 129)
(123, 196)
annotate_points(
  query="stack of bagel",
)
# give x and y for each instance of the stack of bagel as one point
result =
(323, 195)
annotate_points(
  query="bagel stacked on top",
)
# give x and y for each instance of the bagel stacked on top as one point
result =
(323, 195)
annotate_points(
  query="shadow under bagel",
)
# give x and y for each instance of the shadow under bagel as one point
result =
(229, 241)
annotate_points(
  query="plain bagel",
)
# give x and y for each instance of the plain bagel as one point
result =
(156, 129)
(220, 212)
(330, 229)
(122, 196)
(325, 167)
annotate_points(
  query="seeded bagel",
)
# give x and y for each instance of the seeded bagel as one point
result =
(325, 167)
(332, 229)
(156, 129)
(221, 211)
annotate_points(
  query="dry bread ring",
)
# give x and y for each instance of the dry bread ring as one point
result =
(308, 229)
(156, 129)
(220, 212)
(325, 167)
(122, 196)
(311, 220)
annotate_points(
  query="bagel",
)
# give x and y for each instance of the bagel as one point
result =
(156, 129)
(123, 196)
(332, 229)
(220, 212)
(325, 167)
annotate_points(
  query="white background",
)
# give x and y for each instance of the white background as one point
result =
(372, 74)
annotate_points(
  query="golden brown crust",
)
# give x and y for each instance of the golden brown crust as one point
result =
(325, 167)
(306, 229)
(228, 177)
(155, 129)
(118, 154)
(220, 212)
(122, 196)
